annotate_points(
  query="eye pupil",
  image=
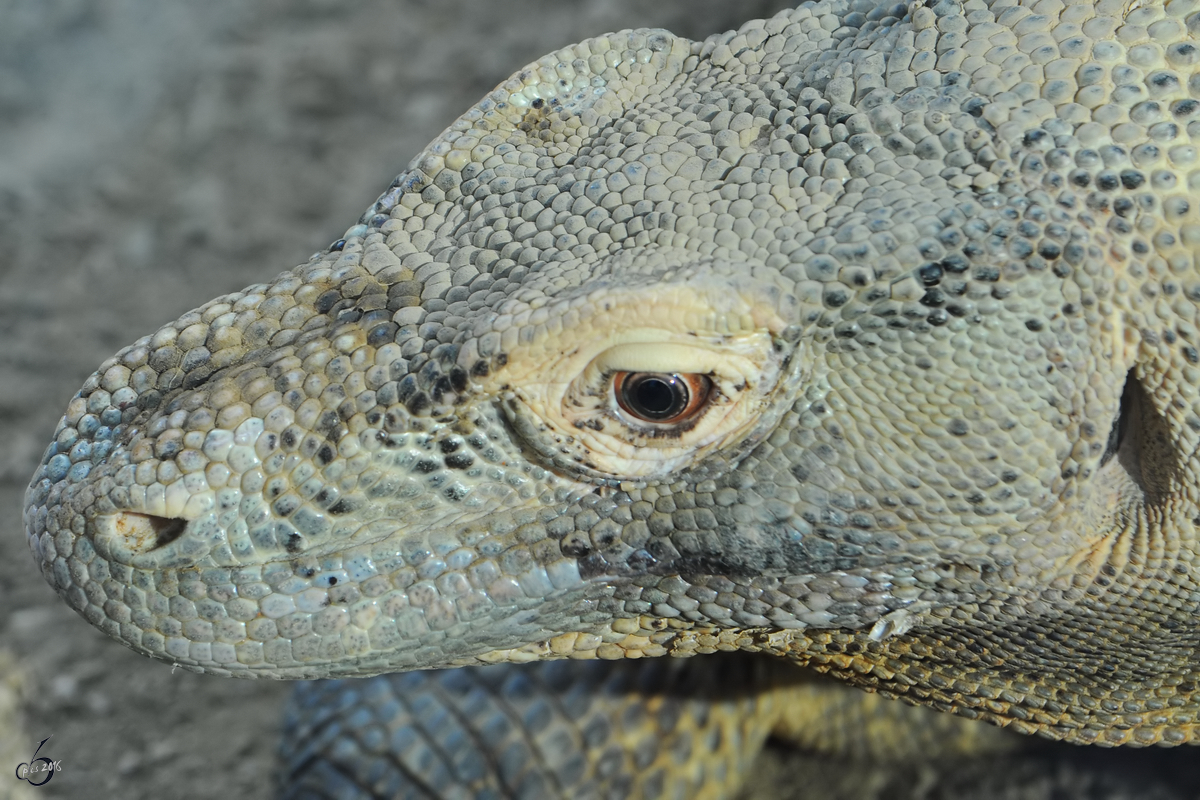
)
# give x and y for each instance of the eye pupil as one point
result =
(661, 397)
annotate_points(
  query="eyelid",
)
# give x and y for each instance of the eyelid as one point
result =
(667, 357)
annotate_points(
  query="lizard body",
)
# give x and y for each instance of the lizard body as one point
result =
(924, 277)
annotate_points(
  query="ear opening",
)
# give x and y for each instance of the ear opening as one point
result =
(1141, 442)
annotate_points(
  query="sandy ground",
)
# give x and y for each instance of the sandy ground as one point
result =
(155, 154)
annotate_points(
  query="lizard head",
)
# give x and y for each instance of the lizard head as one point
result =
(810, 338)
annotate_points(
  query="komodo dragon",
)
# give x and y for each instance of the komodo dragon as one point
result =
(864, 336)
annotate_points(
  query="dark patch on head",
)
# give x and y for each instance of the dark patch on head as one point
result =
(382, 334)
(846, 331)
(324, 455)
(593, 566)
(426, 466)
(166, 529)
(395, 302)
(417, 403)
(197, 376)
(641, 561)
(1184, 108)
(456, 492)
(441, 387)
(1163, 80)
(836, 298)
(1049, 250)
(575, 545)
(327, 300)
(930, 274)
(459, 460)
(1034, 137)
(328, 423)
(1132, 179)
(933, 298)
(294, 543)
(149, 401)
(604, 538)
(458, 378)
(1107, 181)
(373, 302)
(342, 506)
(955, 264)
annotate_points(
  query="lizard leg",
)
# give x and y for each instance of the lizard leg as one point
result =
(817, 714)
(685, 728)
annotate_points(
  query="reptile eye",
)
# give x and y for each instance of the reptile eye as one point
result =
(662, 397)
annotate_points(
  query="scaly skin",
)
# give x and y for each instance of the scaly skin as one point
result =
(938, 264)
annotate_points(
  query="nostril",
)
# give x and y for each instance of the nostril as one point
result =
(166, 529)
(145, 532)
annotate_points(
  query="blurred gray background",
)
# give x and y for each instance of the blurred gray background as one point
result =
(156, 153)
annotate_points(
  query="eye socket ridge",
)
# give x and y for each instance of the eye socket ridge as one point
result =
(662, 398)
